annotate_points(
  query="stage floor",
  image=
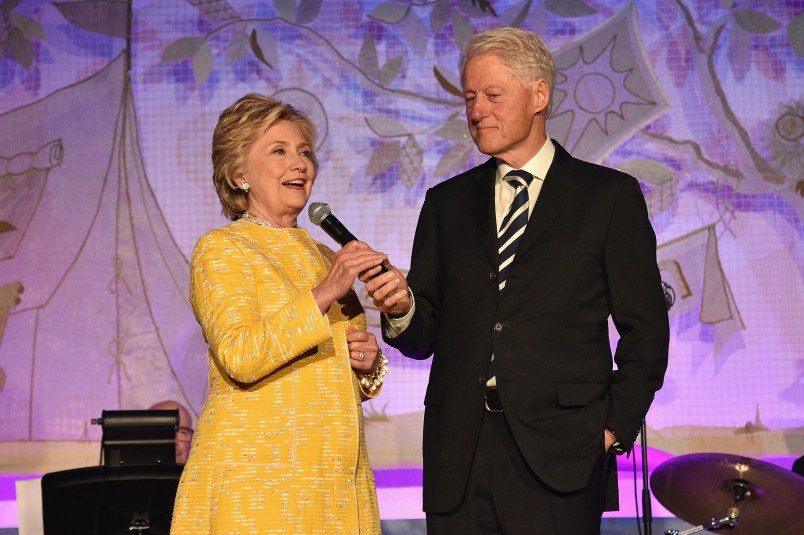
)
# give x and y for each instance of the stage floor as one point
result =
(399, 495)
(611, 526)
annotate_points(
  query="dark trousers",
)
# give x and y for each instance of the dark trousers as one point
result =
(503, 496)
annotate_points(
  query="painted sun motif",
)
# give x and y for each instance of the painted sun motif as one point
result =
(596, 93)
(605, 89)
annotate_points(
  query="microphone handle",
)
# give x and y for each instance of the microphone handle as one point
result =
(338, 232)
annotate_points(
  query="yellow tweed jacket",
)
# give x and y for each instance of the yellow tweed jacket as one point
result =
(279, 446)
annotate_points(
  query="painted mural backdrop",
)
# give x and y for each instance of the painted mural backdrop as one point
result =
(106, 115)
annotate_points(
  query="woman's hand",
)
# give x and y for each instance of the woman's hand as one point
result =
(363, 349)
(354, 258)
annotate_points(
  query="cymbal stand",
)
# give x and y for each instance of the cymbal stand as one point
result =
(725, 522)
(741, 491)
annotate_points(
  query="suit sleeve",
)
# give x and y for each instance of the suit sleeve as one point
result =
(416, 341)
(639, 312)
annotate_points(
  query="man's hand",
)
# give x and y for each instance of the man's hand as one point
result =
(610, 438)
(389, 290)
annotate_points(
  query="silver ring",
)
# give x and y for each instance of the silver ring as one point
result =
(361, 357)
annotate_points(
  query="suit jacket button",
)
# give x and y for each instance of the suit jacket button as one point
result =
(492, 276)
(482, 380)
(498, 327)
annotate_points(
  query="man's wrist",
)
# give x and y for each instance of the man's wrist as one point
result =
(396, 325)
(405, 313)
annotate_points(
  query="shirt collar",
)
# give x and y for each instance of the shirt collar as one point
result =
(537, 166)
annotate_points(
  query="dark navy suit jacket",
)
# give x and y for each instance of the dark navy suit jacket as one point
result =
(588, 252)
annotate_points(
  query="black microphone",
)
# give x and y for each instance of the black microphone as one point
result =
(321, 215)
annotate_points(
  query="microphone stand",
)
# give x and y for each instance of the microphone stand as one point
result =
(647, 515)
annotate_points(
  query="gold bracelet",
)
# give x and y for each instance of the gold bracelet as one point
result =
(373, 380)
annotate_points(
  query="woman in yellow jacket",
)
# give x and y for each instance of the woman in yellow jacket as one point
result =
(279, 447)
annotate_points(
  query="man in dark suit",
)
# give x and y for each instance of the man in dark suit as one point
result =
(513, 277)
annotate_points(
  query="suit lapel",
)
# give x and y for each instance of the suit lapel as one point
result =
(558, 186)
(480, 201)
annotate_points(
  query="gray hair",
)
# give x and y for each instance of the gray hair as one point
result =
(524, 52)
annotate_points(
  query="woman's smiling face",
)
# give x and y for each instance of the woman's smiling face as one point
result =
(280, 170)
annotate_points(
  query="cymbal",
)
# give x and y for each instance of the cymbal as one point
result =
(702, 486)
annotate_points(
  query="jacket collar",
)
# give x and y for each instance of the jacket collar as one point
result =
(559, 183)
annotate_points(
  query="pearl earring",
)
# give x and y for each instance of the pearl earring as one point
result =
(245, 186)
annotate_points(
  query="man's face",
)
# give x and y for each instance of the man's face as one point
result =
(500, 112)
(184, 436)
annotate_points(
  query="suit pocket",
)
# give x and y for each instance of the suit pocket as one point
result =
(434, 393)
(579, 394)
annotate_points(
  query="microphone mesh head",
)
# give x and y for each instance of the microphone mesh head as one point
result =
(318, 211)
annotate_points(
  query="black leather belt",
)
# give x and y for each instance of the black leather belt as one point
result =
(493, 403)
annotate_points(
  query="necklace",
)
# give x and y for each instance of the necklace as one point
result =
(248, 217)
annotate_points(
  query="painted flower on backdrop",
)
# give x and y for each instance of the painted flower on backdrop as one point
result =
(786, 130)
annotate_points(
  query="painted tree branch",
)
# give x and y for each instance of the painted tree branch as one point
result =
(726, 169)
(691, 24)
(310, 31)
(762, 166)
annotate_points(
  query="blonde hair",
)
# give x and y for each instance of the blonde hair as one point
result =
(524, 52)
(239, 127)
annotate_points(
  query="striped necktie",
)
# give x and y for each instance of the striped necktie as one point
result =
(511, 230)
(513, 224)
